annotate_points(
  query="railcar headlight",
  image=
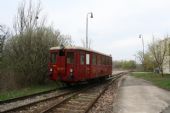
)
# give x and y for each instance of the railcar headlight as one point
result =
(71, 70)
(51, 69)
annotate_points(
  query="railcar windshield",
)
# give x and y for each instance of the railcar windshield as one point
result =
(61, 52)
(70, 57)
(53, 57)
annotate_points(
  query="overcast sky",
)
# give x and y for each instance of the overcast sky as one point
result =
(113, 30)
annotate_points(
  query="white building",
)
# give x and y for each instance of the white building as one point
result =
(166, 65)
(166, 62)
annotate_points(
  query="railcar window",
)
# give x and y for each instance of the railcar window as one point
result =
(102, 60)
(82, 59)
(70, 58)
(110, 61)
(99, 60)
(87, 59)
(94, 59)
(105, 60)
(53, 57)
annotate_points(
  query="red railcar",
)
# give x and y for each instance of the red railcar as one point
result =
(74, 64)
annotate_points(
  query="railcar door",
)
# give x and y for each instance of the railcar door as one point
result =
(61, 64)
(88, 76)
(70, 65)
(82, 66)
(52, 65)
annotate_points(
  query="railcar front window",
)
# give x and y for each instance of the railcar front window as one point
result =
(70, 58)
(61, 53)
(53, 58)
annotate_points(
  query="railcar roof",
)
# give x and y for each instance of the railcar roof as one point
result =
(78, 48)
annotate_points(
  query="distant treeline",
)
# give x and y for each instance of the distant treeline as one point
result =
(124, 64)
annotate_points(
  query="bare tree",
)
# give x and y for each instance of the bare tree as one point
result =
(140, 56)
(27, 52)
(158, 49)
(4, 33)
(148, 61)
(84, 43)
(90, 44)
(27, 17)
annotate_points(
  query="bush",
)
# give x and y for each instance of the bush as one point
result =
(27, 54)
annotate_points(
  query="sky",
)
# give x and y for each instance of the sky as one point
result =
(115, 27)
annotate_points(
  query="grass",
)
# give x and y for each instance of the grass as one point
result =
(25, 91)
(158, 80)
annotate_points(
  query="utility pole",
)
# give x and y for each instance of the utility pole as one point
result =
(91, 16)
(141, 36)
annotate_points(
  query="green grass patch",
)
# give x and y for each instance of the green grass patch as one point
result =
(26, 91)
(156, 79)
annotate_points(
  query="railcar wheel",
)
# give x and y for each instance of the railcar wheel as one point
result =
(68, 84)
(106, 77)
(58, 84)
(91, 81)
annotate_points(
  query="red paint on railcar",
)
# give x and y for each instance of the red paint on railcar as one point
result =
(73, 64)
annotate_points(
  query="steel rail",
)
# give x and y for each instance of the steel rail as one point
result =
(50, 108)
(33, 103)
(102, 92)
(26, 97)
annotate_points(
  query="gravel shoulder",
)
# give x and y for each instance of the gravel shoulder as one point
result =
(139, 96)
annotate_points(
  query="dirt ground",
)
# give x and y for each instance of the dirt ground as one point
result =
(140, 96)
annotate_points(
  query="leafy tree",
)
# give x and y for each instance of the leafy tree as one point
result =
(27, 51)
(148, 61)
(158, 50)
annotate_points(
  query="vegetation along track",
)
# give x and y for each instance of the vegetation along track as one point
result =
(25, 97)
(62, 101)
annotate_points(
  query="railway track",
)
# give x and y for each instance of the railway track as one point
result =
(82, 101)
(25, 97)
(79, 100)
(15, 105)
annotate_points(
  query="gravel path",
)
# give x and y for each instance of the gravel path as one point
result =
(139, 96)
(105, 102)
